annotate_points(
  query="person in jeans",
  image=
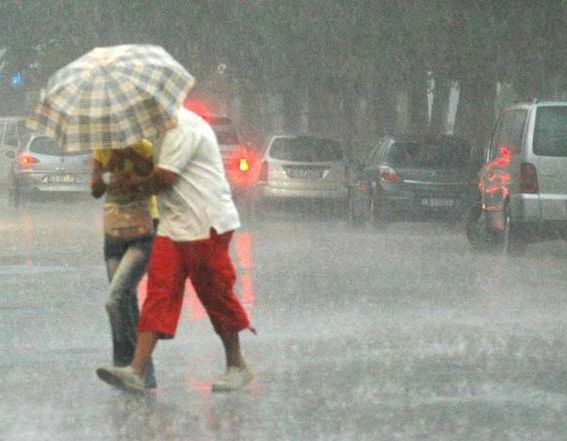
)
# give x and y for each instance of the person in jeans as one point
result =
(126, 258)
(197, 220)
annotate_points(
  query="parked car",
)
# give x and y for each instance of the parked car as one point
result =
(239, 158)
(413, 175)
(302, 167)
(523, 183)
(39, 166)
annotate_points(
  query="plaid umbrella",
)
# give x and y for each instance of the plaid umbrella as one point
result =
(112, 97)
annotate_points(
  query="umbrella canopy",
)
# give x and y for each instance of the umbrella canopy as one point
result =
(112, 97)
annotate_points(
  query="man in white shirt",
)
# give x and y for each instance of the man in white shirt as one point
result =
(197, 219)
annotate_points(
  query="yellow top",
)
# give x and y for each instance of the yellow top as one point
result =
(144, 149)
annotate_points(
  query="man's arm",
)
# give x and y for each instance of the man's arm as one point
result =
(158, 180)
(98, 187)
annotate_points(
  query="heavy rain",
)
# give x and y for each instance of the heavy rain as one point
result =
(400, 172)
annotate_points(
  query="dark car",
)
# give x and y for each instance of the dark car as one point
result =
(413, 175)
(39, 167)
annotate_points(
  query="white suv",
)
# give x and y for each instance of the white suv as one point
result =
(523, 184)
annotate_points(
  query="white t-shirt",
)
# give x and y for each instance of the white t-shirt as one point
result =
(200, 197)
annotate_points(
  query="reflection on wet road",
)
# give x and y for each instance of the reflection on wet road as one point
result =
(397, 334)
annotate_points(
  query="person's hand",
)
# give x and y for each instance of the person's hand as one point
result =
(125, 182)
(119, 180)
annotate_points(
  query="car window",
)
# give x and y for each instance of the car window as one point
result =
(429, 155)
(550, 131)
(374, 156)
(509, 132)
(44, 146)
(306, 149)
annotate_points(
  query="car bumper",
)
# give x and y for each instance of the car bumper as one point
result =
(422, 204)
(36, 184)
(266, 192)
(539, 208)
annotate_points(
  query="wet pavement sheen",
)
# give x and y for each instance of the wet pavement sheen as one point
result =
(400, 334)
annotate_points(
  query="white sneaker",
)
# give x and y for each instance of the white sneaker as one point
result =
(234, 379)
(122, 377)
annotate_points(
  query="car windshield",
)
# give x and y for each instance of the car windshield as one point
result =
(429, 155)
(306, 149)
(550, 132)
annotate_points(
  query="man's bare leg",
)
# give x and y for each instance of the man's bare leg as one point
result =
(145, 345)
(231, 343)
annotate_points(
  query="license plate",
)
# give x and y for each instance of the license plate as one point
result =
(304, 173)
(60, 179)
(437, 202)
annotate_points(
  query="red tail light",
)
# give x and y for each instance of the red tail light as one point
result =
(244, 165)
(388, 174)
(263, 172)
(361, 186)
(25, 160)
(528, 179)
(242, 168)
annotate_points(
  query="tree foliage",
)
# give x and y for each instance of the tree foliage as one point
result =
(331, 52)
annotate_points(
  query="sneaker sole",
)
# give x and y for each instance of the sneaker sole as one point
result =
(113, 380)
(226, 388)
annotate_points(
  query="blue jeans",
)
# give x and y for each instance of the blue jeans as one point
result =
(126, 262)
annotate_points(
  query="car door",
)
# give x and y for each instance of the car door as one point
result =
(549, 160)
(499, 177)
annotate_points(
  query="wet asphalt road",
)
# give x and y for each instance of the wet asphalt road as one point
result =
(400, 334)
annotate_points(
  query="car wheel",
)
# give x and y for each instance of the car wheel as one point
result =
(358, 211)
(380, 217)
(515, 243)
(16, 197)
(478, 233)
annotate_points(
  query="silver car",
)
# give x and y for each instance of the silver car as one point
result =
(39, 166)
(302, 167)
(523, 184)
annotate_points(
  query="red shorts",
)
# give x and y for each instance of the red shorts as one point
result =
(208, 265)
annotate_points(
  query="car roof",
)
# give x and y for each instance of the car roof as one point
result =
(216, 119)
(302, 136)
(428, 138)
(530, 103)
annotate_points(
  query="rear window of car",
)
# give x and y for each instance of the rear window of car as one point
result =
(429, 155)
(45, 146)
(42, 145)
(550, 131)
(306, 149)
